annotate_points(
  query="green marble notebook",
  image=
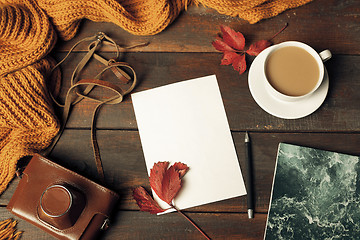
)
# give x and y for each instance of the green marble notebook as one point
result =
(316, 195)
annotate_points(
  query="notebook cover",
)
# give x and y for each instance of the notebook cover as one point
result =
(315, 195)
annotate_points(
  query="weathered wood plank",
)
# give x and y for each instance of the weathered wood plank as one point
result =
(125, 169)
(184, 51)
(140, 225)
(321, 23)
(29, 231)
(340, 111)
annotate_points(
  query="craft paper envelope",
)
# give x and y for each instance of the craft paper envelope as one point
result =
(186, 122)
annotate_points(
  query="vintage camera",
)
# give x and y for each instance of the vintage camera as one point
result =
(61, 202)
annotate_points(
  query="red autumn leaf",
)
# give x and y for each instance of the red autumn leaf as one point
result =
(228, 58)
(232, 45)
(220, 45)
(157, 175)
(171, 185)
(165, 182)
(234, 39)
(239, 63)
(181, 168)
(258, 47)
(145, 201)
(237, 60)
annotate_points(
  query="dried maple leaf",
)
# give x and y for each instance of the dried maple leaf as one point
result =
(258, 47)
(228, 58)
(234, 39)
(181, 168)
(145, 201)
(171, 185)
(166, 183)
(237, 60)
(239, 63)
(156, 176)
(220, 45)
(232, 45)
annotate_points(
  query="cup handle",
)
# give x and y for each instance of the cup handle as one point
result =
(325, 55)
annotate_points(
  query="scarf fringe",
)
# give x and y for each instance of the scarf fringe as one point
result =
(8, 230)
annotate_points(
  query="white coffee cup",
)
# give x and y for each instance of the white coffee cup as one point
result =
(320, 58)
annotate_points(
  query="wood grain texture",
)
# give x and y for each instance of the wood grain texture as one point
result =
(141, 225)
(124, 163)
(184, 51)
(339, 112)
(125, 168)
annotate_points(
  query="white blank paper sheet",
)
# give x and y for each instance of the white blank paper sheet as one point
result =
(186, 122)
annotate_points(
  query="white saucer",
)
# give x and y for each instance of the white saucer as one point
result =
(278, 108)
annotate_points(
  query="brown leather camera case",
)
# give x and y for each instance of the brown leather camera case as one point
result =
(83, 217)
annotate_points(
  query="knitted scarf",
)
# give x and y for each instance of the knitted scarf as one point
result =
(28, 32)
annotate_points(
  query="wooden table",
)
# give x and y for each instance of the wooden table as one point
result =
(184, 51)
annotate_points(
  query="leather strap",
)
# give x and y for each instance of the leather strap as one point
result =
(75, 94)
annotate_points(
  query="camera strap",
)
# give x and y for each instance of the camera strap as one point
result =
(80, 89)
